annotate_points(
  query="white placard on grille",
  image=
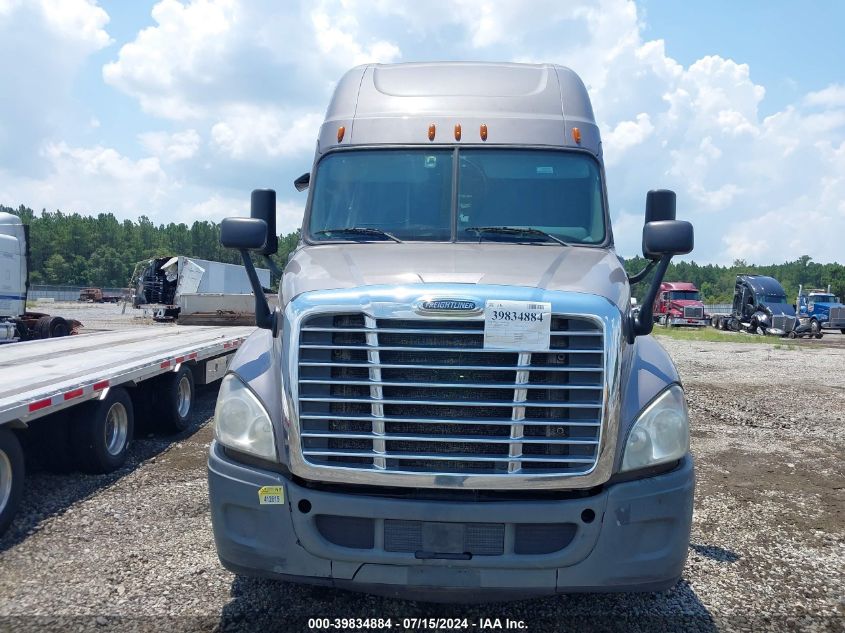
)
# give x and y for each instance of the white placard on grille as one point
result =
(517, 325)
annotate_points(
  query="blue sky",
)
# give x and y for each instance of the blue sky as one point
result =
(177, 109)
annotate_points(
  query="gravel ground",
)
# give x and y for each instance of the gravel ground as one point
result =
(96, 316)
(134, 551)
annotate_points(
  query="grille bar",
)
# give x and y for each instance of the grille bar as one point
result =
(457, 403)
(486, 421)
(471, 350)
(452, 438)
(477, 332)
(457, 385)
(464, 457)
(456, 367)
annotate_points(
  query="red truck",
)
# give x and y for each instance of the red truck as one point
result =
(679, 303)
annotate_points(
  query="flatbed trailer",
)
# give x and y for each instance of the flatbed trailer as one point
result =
(88, 387)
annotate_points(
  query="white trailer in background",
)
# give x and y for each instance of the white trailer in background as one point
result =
(171, 287)
(90, 385)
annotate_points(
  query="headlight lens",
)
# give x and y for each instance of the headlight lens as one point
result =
(241, 422)
(661, 432)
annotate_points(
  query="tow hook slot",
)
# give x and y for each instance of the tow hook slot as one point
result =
(442, 555)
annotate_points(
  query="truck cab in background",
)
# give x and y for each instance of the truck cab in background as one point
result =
(679, 303)
(455, 399)
(16, 324)
(759, 307)
(821, 310)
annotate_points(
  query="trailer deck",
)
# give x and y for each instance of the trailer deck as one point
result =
(38, 378)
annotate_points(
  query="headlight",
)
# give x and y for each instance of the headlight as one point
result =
(661, 432)
(241, 422)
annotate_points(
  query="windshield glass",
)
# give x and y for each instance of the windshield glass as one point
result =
(408, 193)
(824, 299)
(688, 295)
(761, 298)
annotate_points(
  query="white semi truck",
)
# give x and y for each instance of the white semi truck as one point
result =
(455, 399)
(16, 324)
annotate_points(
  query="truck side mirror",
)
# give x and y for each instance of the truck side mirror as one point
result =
(301, 183)
(667, 237)
(263, 207)
(243, 233)
(246, 234)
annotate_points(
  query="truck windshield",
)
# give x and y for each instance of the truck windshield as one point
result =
(824, 299)
(761, 298)
(409, 194)
(687, 295)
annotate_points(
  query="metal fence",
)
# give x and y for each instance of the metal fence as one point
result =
(64, 293)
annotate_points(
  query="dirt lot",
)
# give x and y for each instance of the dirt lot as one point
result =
(134, 550)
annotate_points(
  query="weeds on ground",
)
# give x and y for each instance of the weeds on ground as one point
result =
(718, 336)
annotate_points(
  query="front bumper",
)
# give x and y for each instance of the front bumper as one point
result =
(679, 321)
(637, 539)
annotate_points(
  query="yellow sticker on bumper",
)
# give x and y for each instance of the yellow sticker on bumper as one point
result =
(271, 495)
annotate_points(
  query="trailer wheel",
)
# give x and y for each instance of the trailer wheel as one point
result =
(792, 334)
(102, 432)
(52, 327)
(11, 477)
(175, 400)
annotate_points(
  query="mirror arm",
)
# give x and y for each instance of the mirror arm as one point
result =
(642, 322)
(264, 317)
(637, 278)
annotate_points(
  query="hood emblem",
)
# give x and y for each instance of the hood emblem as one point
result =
(447, 305)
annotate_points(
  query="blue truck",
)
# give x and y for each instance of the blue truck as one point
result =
(821, 310)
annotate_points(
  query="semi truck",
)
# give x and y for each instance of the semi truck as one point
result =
(820, 309)
(455, 400)
(78, 397)
(759, 307)
(16, 322)
(679, 303)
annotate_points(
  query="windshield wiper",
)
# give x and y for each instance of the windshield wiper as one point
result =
(359, 230)
(515, 230)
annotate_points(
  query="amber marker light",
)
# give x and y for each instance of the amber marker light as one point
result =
(457, 131)
(483, 131)
(340, 132)
(431, 131)
(576, 135)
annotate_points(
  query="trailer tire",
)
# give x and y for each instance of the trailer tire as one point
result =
(792, 334)
(102, 431)
(175, 400)
(11, 477)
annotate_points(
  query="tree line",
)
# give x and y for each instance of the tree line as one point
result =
(101, 251)
(72, 249)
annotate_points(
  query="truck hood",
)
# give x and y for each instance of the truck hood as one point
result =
(780, 308)
(550, 267)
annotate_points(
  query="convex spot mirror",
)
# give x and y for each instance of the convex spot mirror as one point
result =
(667, 237)
(301, 183)
(243, 233)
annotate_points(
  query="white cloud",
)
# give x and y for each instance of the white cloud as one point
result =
(624, 136)
(832, 96)
(171, 147)
(249, 132)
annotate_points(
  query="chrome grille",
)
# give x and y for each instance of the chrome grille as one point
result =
(783, 322)
(837, 315)
(425, 396)
(693, 312)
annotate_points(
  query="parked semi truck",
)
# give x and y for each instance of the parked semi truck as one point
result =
(77, 396)
(455, 399)
(820, 309)
(759, 307)
(16, 322)
(679, 303)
